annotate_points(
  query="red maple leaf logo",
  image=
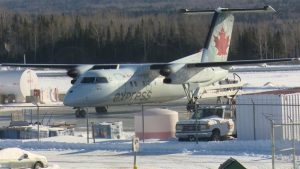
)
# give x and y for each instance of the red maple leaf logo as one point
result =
(222, 42)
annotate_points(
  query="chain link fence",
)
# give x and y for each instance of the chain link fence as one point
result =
(285, 144)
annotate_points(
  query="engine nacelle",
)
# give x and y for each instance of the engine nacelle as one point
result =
(194, 75)
(167, 80)
(77, 71)
(170, 69)
(165, 71)
(73, 81)
(73, 73)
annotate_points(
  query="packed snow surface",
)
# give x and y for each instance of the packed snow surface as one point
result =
(74, 152)
(149, 146)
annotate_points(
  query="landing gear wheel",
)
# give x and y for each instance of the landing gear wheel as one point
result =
(215, 136)
(80, 113)
(101, 110)
(190, 107)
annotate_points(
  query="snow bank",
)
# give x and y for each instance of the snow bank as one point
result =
(149, 146)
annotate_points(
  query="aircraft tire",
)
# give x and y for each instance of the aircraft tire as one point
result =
(101, 110)
(80, 113)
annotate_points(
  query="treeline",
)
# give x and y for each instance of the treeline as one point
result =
(115, 36)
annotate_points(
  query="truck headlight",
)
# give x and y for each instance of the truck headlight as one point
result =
(205, 126)
(179, 127)
(230, 126)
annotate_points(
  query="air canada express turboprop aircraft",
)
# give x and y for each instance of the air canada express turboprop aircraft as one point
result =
(103, 85)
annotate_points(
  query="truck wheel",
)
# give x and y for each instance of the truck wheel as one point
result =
(215, 136)
(192, 138)
(38, 165)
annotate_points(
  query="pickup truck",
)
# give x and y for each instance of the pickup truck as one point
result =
(213, 123)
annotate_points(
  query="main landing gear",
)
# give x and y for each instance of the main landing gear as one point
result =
(101, 110)
(80, 113)
(192, 97)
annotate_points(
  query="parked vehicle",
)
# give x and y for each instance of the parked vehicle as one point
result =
(13, 158)
(213, 123)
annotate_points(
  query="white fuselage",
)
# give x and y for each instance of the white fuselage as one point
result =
(130, 85)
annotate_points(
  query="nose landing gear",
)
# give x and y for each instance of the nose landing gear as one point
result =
(80, 113)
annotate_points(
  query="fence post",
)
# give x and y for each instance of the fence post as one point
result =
(143, 123)
(93, 132)
(38, 121)
(294, 146)
(273, 144)
(87, 126)
(254, 118)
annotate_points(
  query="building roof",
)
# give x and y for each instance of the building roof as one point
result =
(283, 91)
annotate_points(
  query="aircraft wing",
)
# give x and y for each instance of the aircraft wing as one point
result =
(152, 65)
(74, 70)
(224, 64)
(61, 66)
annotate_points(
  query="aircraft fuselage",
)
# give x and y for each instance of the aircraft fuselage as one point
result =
(131, 85)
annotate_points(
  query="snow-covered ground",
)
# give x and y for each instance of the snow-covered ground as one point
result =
(74, 152)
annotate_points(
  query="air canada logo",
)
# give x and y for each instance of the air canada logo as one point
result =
(221, 42)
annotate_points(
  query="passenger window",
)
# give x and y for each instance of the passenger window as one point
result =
(101, 80)
(135, 84)
(88, 80)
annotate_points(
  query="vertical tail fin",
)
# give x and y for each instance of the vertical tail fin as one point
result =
(217, 42)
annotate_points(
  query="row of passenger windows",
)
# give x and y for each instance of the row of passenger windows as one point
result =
(94, 80)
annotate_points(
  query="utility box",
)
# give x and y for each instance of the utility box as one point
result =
(108, 130)
(255, 113)
(231, 163)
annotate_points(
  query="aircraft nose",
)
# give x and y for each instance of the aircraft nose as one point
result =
(70, 99)
(67, 100)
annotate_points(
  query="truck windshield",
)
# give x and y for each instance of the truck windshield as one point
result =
(202, 113)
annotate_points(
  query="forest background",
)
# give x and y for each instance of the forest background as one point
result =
(135, 31)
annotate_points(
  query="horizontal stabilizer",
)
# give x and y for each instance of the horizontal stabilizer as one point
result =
(229, 10)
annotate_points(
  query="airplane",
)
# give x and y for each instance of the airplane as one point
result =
(103, 85)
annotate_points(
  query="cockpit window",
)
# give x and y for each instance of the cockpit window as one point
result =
(94, 80)
(101, 80)
(88, 80)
